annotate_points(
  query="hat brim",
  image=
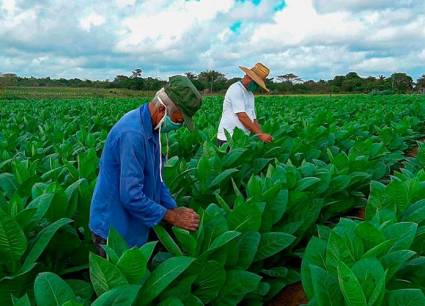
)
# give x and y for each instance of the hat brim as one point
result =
(255, 77)
(188, 122)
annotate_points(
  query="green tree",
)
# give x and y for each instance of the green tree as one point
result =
(211, 77)
(352, 83)
(420, 84)
(336, 83)
(195, 80)
(8, 79)
(401, 82)
(289, 78)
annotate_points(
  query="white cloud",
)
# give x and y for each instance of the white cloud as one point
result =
(164, 28)
(125, 3)
(384, 64)
(311, 38)
(92, 20)
(8, 5)
(356, 5)
(422, 55)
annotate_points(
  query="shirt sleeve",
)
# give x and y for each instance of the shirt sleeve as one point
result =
(166, 198)
(237, 100)
(132, 158)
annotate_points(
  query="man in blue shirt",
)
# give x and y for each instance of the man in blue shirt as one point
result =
(130, 195)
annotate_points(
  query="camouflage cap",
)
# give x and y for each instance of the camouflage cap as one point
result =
(185, 96)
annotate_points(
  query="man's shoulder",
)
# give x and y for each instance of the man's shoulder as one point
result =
(237, 85)
(129, 124)
(235, 89)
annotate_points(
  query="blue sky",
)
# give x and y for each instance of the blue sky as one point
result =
(311, 38)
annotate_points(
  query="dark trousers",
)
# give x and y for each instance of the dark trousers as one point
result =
(98, 242)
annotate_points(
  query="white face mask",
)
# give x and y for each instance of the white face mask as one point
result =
(158, 126)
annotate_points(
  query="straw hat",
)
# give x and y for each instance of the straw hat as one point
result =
(258, 73)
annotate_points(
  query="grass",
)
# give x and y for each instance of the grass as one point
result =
(69, 93)
(10, 93)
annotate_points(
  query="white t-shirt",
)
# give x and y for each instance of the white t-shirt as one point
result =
(237, 100)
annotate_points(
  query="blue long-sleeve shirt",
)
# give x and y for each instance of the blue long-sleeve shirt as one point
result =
(129, 195)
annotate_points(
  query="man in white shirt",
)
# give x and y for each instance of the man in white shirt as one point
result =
(239, 107)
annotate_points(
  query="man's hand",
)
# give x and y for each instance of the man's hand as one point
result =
(265, 137)
(183, 217)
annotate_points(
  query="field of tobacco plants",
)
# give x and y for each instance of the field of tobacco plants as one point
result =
(335, 204)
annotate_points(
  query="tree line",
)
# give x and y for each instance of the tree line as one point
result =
(211, 81)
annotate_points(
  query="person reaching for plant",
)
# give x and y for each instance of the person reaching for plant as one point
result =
(239, 107)
(130, 195)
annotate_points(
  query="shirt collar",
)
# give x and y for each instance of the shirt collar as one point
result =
(145, 117)
(243, 86)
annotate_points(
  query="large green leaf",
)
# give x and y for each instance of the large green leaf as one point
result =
(182, 286)
(59, 206)
(72, 196)
(272, 243)
(210, 281)
(120, 296)
(277, 206)
(51, 290)
(16, 285)
(13, 242)
(247, 246)
(350, 286)
(245, 218)
(23, 301)
(8, 183)
(221, 177)
(42, 240)
(186, 240)
(41, 204)
(403, 235)
(340, 183)
(116, 242)
(397, 195)
(393, 261)
(163, 276)
(306, 182)
(104, 275)
(238, 284)
(213, 224)
(314, 254)
(326, 288)
(371, 276)
(133, 264)
(171, 301)
(167, 241)
(379, 250)
(82, 289)
(338, 249)
(232, 157)
(25, 217)
(406, 297)
(222, 240)
(371, 235)
(72, 303)
(415, 213)
(147, 249)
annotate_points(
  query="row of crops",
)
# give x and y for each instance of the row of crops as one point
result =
(271, 214)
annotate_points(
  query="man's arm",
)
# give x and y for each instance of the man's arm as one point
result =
(248, 123)
(257, 124)
(253, 127)
(166, 198)
(132, 180)
(132, 158)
